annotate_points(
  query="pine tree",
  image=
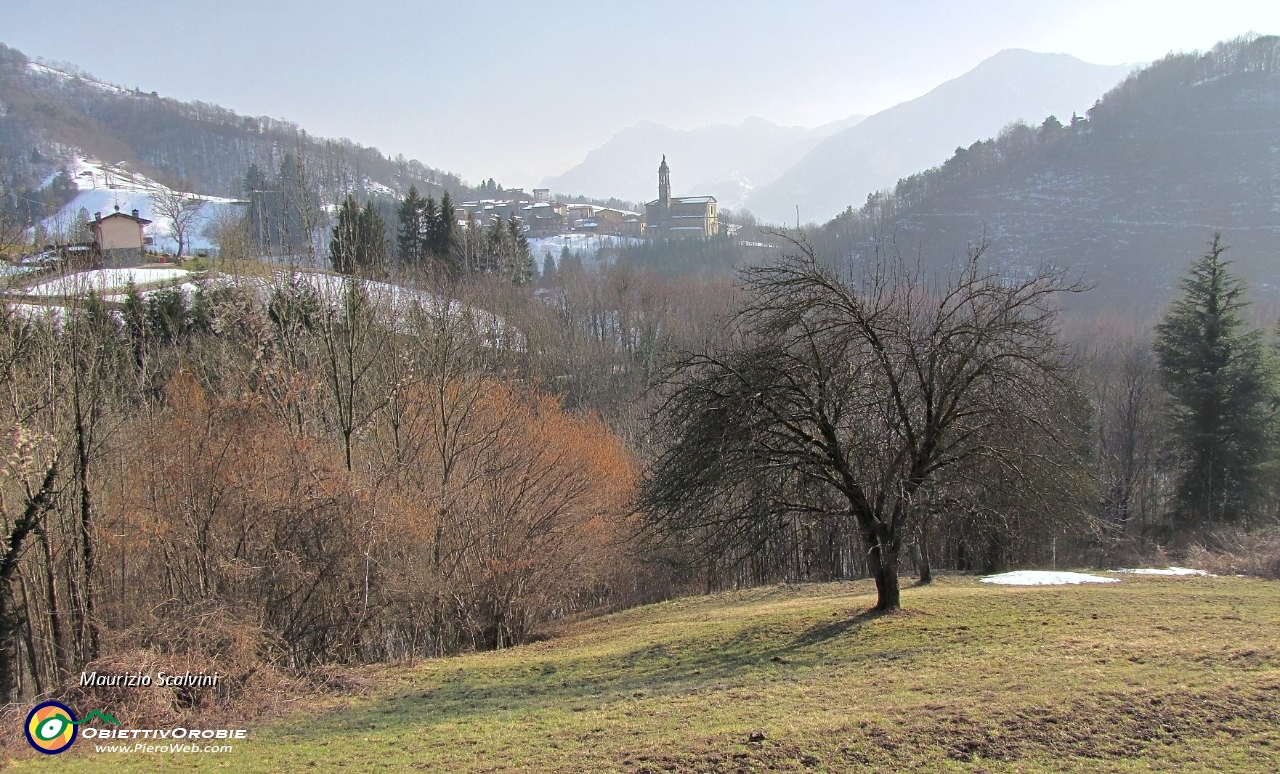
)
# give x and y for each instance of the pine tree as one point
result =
(495, 248)
(548, 267)
(411, 236)
(520, 267)
(344, 241)
(430, 229)
(371, 249)
(446, 237)
(1220, 379)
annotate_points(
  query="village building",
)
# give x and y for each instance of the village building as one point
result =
(617, 222)
(675, 217)
(579, 215)
(118, 238)
(545, 219)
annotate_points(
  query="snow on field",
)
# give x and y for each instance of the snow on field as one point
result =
(187, 288)
(1165, 571)
(399, 300)
(103, 187)
(587, 245)
(35, 311)
(104, 280)
(1045, 578)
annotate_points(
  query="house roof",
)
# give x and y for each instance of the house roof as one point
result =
(134, 218)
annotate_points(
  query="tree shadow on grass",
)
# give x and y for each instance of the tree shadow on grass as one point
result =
(591, 682)
(829, 631)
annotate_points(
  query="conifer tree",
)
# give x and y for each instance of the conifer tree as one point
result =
(430, 229)
(343, 243)
(371, 250)
(446, 237)
(1220, 378)
(411, 235)
(520, 262)
(359, 242)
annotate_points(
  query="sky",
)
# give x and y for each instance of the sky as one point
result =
(520, 91)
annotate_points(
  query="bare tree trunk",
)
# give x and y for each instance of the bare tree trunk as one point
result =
(88, 625)
(926, 571)
(37, 503)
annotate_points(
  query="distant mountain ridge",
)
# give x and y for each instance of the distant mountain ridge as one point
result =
(723, 160)
(1124, 198)
(854, 162)
(48, 113)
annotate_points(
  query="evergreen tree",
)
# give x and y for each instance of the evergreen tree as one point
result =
(411, 236)
(548, 267)
(1220, 379)
(495, 252)
(343, 244)
(431, 228)
(446, 237)
(520, 263)
(371, 249)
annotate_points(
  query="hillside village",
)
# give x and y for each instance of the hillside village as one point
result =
(144, 220)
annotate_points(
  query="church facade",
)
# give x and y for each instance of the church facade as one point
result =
(679, 217)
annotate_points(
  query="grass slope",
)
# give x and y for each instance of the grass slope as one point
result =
(1150, 674)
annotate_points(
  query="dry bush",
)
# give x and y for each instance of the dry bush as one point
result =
(204, 639)
(1236, 552)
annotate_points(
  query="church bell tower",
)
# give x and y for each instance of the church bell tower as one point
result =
(664, 183)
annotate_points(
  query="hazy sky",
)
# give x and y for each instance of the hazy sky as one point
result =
(518, 91)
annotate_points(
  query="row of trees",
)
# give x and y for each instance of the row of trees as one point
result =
(429, 241)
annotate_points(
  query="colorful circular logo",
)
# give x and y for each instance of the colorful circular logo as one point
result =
(51, 727)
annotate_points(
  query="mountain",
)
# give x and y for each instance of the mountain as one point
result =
(722, 160)
(854, 162)
(1124, 197)
(50, 116)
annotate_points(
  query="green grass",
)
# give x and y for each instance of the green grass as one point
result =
(1150, 674)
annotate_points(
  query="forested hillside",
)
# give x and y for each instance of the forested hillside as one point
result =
(1124, 195)
(45, 110)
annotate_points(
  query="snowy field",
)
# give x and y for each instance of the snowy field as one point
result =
(103, 281)
(187, 288)
(1177, 571)
(1045, 578)
(1059, 578)
(585, 245)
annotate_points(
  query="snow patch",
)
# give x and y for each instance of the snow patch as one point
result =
(1045, 578)
(1182, 571)
(102, 280)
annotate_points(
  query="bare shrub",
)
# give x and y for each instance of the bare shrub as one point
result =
(1236, 552)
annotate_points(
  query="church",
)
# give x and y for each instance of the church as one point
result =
(678, 217)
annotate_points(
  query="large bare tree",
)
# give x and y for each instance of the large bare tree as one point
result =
(863, 396)
(182, 210)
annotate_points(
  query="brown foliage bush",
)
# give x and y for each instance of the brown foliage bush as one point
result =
(1236, 552)
(200, 641)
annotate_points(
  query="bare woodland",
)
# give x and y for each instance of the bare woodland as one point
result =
(274, 475)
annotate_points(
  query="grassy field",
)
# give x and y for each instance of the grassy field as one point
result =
(1150, 674)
